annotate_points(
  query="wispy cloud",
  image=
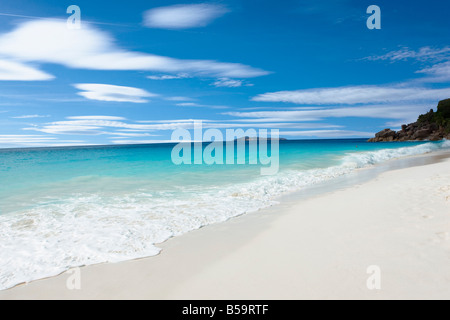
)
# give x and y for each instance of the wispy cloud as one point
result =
(31, 116)
(355, 95)
(103, 125)
(327, 134)
(198, 105)
(183, 16)
(120, 135)
(179, 99)
(438, 60)
(188, 104)
(437, 73)
(230, 124)
(422, 54)
(12, 141)
(401, 112)
(106, 118)
(17, 71)
(50, 41)
(125, 142)
(5, 14)
(112, 93)
(169, 76)
(231, 83)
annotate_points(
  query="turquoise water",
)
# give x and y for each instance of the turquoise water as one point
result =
(67, 207)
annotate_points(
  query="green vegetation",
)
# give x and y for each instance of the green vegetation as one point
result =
(441, 117)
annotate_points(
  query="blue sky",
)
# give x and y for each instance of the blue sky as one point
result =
(137, 70)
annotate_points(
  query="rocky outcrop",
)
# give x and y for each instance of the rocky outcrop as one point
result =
(433, 126)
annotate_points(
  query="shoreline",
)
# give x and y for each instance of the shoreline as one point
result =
(212, 248)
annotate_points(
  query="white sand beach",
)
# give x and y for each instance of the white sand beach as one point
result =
(315, 248)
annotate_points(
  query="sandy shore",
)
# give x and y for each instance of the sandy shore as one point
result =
(316, 248)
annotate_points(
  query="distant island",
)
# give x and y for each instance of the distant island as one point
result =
(247, 139)
(433, 126)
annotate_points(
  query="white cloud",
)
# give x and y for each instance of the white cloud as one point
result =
(90, 126)
(179, 99)
(50, 41)
(12, 141)
(17, 138)
(169, 77)
(437, 73)
(16, 71)
(397, 124)
(31, 116)
(105, 92)
(183, 16)
(371, 111)
(198, 105)
(67, 128)
(328, 134)
(112, 118)
(269, 125)
(100, 126)
(423, 54)
(144, 141)
(439, 59)
(220, 124)
(120, 135)
(229, 83)
(275, 118)
(188, 104)
(355, 95)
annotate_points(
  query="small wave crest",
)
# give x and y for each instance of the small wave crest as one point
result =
(363, 159)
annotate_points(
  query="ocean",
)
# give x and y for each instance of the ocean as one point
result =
(73, 206)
